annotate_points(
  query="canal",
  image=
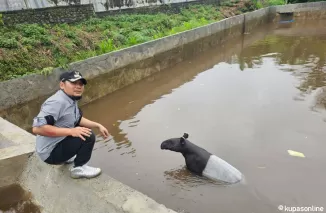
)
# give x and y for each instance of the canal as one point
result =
(248, 101)
(248, 105)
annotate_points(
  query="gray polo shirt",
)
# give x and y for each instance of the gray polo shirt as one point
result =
(61, 111)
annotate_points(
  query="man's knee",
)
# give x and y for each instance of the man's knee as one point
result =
(91, 138)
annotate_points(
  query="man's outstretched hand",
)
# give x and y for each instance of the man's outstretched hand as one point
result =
(104, 131)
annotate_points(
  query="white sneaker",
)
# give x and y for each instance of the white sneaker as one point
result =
(71, 160)
(84, 172)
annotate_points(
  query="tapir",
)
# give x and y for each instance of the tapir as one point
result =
(202, 162)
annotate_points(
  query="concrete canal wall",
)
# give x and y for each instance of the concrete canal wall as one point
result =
(52, 188)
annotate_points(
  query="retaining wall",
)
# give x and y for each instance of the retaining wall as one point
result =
(312, 10)
(80, 12)
(154, 9)
(51, 15)
(99, 5)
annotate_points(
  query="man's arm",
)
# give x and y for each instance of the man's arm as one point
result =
(88, 123)
(51, 131)
(91, 124)
(43, 123)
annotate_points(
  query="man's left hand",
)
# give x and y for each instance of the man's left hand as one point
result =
(104, 131)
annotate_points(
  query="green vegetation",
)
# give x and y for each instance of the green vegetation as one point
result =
(34, 48)
(265, 3)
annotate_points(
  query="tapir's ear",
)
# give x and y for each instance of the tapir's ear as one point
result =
(185, 135)
(182, 141)
(183, 138)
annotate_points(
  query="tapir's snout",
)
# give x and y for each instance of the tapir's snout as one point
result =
(163, 145)
(170, 145)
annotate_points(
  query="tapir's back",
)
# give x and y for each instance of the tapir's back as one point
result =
(218, 169)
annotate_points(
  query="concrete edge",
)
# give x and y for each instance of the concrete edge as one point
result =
(104, 193)
(23, 142)
(300, 7)
(100, 194)
(11, 168)
(13, 158)
(8, 130)
(14, 151)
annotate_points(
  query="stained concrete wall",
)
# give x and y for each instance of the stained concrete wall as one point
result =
(300, 7)
(13, 156)
(99, 5)
(50, 15)
(80, 12)
(312, 10)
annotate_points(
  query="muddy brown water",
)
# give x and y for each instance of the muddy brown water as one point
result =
(248, 106)
(14, 199)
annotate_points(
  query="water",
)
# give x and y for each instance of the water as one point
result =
(248, 101)
(248, 107)
(14, 199)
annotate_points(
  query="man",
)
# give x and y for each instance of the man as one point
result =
(63, 134)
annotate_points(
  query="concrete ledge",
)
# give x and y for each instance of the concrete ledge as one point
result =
(64, 194)
(20, 164)
(11, 168)
(300, 7)
(13, 158)
(256, 18)
(17, 137)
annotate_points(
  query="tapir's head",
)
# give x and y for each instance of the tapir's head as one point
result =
(176, 144)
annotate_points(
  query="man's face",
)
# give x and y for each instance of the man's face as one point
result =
(73, 88)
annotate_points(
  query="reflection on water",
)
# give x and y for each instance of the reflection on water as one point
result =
(246, 104)
(303, 56)
(118, 111)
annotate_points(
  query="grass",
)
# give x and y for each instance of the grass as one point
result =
(33, 48)
(265, 3)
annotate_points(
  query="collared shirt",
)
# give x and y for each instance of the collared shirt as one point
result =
(66, 114)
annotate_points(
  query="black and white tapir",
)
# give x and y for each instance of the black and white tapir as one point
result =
(201, 162)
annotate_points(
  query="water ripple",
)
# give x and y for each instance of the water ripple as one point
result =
(182, 178)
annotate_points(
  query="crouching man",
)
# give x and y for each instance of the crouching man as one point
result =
(63, 134)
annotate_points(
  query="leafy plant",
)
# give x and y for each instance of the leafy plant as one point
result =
(1, 20)
(34, 48)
